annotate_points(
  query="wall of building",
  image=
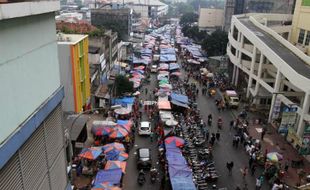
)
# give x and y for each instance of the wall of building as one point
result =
(29, 72)
(209, 18)
(79, 53)
(65, 67)
(301, 21)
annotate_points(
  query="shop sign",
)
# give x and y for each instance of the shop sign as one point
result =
(288, 119)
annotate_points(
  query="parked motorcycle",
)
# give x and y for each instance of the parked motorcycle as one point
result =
(141, 178)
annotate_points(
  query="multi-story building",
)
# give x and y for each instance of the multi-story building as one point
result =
(74, 71)
(234, 7)
(276, 73)
(32, 142)
(210, 19)
(118, 19)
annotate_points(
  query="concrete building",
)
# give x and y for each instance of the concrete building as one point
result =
(74, 71)
(32, 154)
(118, 19)
(234, 7)
(210, 19)
(276, 73)
(300, 34)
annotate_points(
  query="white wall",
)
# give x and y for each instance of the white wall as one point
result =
(29, 70)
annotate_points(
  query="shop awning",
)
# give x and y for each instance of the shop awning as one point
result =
(76, 124)
(112, 176)
(179, 97)
(165, 105)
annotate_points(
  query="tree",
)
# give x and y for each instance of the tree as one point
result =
(188, 18)
(216, 43)
(123, 85)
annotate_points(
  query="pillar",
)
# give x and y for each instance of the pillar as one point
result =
(305, 109)
(251, 73)
(237, 76)
(275, 93)
(259, 73)
(234, 74)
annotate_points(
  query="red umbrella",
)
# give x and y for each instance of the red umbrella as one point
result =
(177, 141)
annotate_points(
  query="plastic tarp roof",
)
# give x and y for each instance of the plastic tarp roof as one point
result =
(165, 105)
(112, 176)
(179, 97)
(136, 60)
(146, 51)
(173, 66)
(180, 170)
(181, 183)
(167, 58)
(179, 104)
(167, 51)
(123, 101)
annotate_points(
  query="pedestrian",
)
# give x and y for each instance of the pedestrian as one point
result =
(286, 166)
(244, 172)
(250, 161)
(197, 91)
(145, 91)
(217, 135)
(258, 184)
(152, 135)
(237, 141)
(263, 134)
(253, 169)
(231, 124)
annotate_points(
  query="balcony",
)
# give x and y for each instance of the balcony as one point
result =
(14, 9)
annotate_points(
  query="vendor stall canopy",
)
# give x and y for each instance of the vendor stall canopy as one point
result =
(123, 101)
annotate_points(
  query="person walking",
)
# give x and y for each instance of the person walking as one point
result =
(263, 134)
(230, 166)
(258, 184)
(244, 172)
(231, 125)
(217, 135)
(250, 161)
(253, 169)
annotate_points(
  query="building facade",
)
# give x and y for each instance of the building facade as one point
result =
(32, 154)
(74, 71)
(234, 7)
(118, 19)
(210, 19)
(300, 35)
(276, 73)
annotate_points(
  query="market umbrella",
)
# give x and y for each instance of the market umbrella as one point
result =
(90, 153)
(116, 155)
(115, 164)
(118, 132)
(105, 186)
(163, 82)
(177, 141)
(126, 124)
(169, 86)
(171, 122)
(113, 146)
(274, 156)
(177, 73)
(103, 130)
(122, 111)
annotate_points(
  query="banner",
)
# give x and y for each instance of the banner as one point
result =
(288, 120)
(276, 109)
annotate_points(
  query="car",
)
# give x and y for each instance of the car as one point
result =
(154, 68)
(144, 160)
(145, 128)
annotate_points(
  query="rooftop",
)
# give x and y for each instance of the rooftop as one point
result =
(70, 39)
(22, 9)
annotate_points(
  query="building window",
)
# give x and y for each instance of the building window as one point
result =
(301, 36)
(307, 38)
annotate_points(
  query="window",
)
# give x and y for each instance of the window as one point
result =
(301, 36)
(307, 38)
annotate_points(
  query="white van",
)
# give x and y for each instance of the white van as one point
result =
(145, 128)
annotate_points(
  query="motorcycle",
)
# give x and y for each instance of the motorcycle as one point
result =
(154, 173)
(141, 178)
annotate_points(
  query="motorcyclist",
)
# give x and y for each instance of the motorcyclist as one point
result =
(141, 177)
(153, 173)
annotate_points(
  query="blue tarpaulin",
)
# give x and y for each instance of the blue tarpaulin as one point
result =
(136, 60)
(167, 51)
(167, 58)
(180, 171)
(123, 101)
(112, 176)
(146, 51)
(122, 122)
(181, 183)
(174, 66)
(177, 103)
(179, 98)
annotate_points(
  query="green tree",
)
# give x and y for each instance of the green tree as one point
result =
(123, 85)
(216, 43)
(188, 18)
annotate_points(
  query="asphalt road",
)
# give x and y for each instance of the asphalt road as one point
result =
(130, 178)
(223, 151)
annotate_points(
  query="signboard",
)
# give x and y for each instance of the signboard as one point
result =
(305, 148)
(276, 109)
(288, 119)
